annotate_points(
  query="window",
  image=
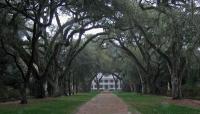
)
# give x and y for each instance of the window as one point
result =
(106, 86)
(95, 86)
(100, 86)
(106, 81)
(111, 86)
(100, 81)
(111, 81)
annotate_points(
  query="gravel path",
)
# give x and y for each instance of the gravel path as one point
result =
(104, 103)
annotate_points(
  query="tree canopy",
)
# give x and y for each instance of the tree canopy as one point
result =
(48, 49)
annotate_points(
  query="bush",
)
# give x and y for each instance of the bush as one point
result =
(8, 94)
(191, 92)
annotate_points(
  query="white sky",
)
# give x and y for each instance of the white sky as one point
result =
(64, 18)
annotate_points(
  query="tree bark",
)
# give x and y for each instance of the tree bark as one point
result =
(73, 85)
(97, 83)
(115, 81)
(176, 72)
(69, 86)
(40, 89)
(131, 87)
(176, 86)
(148, 87)
(56, 90)
(23, 93)
(134, 87)
(76, 86)
(143, 87)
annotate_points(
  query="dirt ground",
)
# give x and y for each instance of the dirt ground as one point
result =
(104, 103)
(185, 102)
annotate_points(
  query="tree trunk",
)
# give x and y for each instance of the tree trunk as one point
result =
(143, 87)
(73, 85)
(148, 87)
(142, 81)
(134, 88)
(64, 87)
(115, 81)
(97, 83)
(69, 87)
(56, 90)
(176, 72)
(115, 85)
(23, 92)
(76, 87)
(154, 89)
(176, 87)
(131, 87)
(45, 86)
(41, 90)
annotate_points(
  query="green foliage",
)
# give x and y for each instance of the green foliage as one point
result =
(172, 31)
(190, 91)
(8, 93)
(10, 78)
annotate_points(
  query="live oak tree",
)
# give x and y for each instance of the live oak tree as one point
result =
(161, 30)
(175, 28)
(38, 16)
(143, 43)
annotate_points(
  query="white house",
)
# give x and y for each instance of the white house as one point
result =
(106, 82)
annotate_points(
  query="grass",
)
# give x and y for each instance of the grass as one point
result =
(60, 105)
(149, 104)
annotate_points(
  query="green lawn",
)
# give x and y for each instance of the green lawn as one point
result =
(149, 104)
(61, 105)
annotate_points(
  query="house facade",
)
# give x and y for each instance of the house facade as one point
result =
(106, 82)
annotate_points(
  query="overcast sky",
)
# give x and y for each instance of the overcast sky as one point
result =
(64, 18)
